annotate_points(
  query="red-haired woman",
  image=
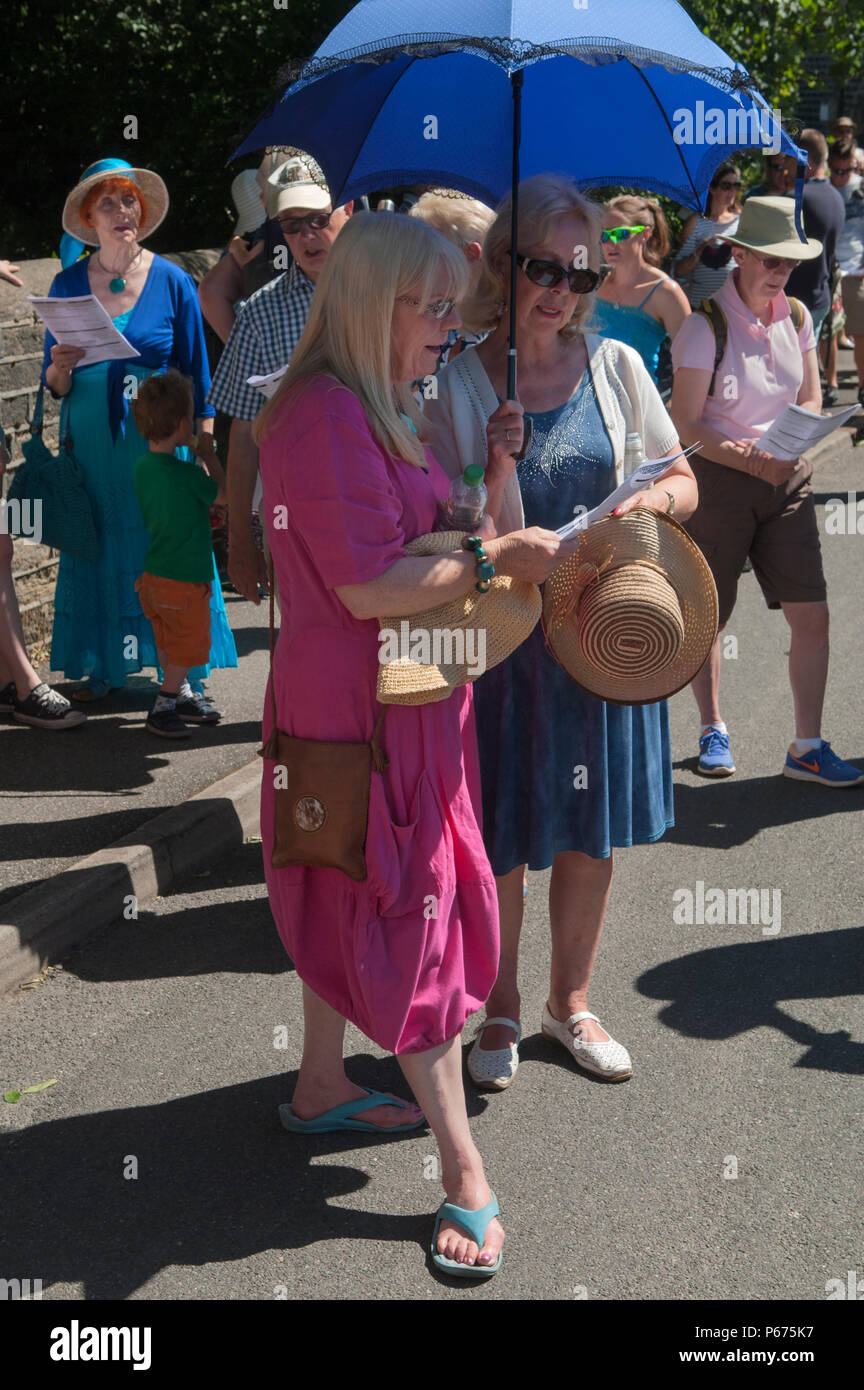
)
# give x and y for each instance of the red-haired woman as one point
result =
(100, 632)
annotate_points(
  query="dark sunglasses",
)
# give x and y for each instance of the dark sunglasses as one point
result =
(729, 183)
(549, 273)
(317, 221)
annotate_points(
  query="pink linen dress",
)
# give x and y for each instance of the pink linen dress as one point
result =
(410, 952)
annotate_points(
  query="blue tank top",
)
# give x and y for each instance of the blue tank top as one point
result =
(633, 325)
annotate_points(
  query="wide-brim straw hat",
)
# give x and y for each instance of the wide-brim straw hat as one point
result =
(632, 614)
(152, 187)
(767, 225)
(507, 614)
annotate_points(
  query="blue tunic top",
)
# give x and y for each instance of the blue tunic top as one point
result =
(560, 769)
(100, 630)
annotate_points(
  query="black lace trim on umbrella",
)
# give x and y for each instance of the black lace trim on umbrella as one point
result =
(510, 52)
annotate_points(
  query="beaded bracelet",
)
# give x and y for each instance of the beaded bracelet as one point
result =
(485, 568)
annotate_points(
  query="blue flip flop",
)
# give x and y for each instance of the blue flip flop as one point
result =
(474, 1223)
(338, 1117)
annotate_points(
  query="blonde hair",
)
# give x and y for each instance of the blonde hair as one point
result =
(461, 219)
(377, 257)
(543, 200)
(638, 210)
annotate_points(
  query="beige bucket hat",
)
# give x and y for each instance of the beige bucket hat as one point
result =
(477, 629)
(632, 614)
(767, 225)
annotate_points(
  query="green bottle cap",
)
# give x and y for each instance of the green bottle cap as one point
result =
(473, 474)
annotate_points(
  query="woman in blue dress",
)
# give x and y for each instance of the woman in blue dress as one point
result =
(637, 303)
(566, 778)
(100, 632)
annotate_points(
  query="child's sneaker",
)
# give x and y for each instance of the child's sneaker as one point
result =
(715, 759)
(198, 709)
(822, 765)
(45, 708)
(167, 724)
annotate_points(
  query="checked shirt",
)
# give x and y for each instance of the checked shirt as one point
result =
(266, 331)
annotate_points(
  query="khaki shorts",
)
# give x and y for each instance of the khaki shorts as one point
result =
(180, 614)
(740, 516)
(852, 289)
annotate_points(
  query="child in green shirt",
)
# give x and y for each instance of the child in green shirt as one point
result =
(175, 497)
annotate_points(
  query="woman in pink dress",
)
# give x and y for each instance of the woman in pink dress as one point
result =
(411, 951)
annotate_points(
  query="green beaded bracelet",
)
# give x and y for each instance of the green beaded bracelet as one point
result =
(485, 568)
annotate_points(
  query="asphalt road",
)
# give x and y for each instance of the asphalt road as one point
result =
(747, 1048)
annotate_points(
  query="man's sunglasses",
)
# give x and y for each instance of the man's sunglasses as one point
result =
(548, 273)
(775, 262)
(621, 233)
(316, 221)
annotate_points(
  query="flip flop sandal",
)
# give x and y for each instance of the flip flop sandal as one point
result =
(474, 1224)
(87, 694)
(339, 1117)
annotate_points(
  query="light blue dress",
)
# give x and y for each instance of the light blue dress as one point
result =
(100, 630)
(632, 324)
(560, 769)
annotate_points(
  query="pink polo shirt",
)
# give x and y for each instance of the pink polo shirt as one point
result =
(761, 370)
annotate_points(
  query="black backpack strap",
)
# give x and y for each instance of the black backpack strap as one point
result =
(716, 319)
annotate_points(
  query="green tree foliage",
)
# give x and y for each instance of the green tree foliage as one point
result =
(772, 38)
(195, 73)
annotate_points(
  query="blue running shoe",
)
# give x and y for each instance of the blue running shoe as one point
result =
(715, 759)
(822, 765)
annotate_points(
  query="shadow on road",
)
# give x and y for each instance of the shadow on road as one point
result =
(218, 1180)
(727, 990)
(720, 814)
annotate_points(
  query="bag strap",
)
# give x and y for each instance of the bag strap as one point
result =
(270, 751)
(36, 424)
(716, 319)
(796, 311)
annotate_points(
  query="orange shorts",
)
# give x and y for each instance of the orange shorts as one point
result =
(180, 614)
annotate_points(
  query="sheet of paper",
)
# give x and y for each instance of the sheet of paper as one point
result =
(83, 322)
(796, 430)
(644, 476)
(267, 385)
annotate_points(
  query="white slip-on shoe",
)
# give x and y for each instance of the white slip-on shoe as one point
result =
(608, 1060)
(494, 1071)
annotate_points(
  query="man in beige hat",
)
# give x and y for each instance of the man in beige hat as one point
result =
(735, 372)
(265, 333)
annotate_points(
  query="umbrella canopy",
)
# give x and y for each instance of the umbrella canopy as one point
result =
(630, 92)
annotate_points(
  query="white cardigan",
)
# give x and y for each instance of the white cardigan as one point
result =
(626, 395)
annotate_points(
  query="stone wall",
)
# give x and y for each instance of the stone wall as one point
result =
(21, 339)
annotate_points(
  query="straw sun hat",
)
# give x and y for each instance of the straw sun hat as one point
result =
(487, 626)
(632, 614)
(152, 187)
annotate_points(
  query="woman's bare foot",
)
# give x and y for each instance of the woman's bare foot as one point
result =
(308, 1102)
(453, 1241)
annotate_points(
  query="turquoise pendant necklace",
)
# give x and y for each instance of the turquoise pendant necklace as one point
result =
(118, 284)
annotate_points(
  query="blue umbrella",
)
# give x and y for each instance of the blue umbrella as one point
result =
(474, 94)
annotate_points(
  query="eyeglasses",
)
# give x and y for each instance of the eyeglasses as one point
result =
(438, 309)
(778, 168)
(548, 273)
(621, 233)
(730, 183)
(316, 222)
(774, 262)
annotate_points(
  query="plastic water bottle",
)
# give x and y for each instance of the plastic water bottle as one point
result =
(634, 453)
(466, 503)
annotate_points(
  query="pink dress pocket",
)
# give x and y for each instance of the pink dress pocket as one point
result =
(411, 863)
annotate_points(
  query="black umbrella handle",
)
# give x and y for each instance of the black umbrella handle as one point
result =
(516, 79)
